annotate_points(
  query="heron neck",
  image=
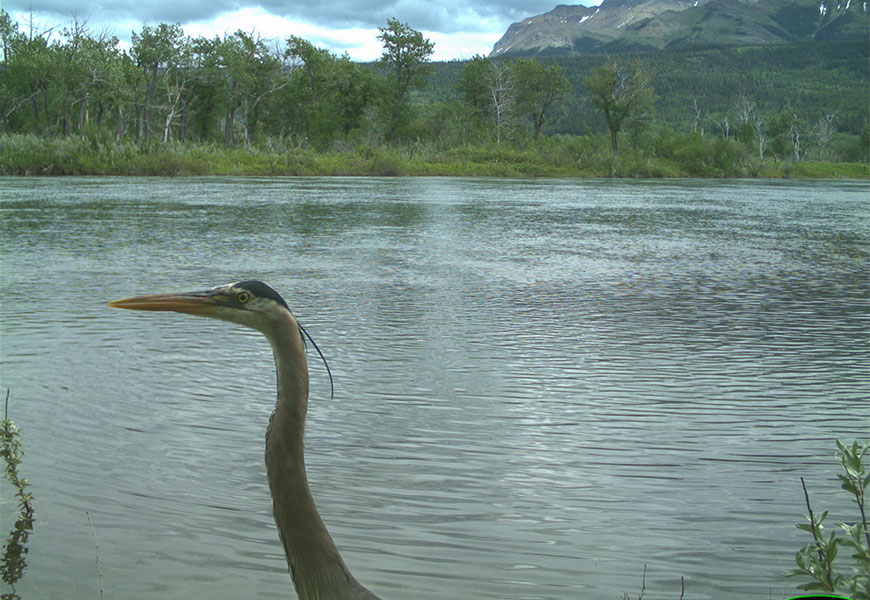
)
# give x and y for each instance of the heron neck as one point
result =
(316, 566)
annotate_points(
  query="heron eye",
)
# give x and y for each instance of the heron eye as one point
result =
(243, 297)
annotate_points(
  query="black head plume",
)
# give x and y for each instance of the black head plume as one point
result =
(261, 290)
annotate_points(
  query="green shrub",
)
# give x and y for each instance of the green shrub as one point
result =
(15, 550)
(816, 559)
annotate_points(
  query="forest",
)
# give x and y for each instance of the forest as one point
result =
(77, 102)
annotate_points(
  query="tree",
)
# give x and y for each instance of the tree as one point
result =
(623, 94)
(10, 37)
(500, 86)
(351, 90)
(744, 130)
(84, 76)
(128, 78)
(28, 70)
(487, 86)
(472, 83)
(538, 89)
(331, 93)
(785, 134)
(203, 105)
(314, 61)
(249, 74)
(794, 130)
(823, 130)
(405, 55)
(778, 133)
(760, 130)
(155, 49)
(265, 77)
(177, 78)
(696, 110)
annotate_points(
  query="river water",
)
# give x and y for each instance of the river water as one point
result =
(542, 387)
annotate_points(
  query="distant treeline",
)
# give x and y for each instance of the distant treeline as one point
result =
(176, 104)
(700, 88)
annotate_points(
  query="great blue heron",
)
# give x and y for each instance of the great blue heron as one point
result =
(316, 566)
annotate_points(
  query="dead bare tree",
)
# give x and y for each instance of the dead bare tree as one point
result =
(760, 133)
(823, 130)
(724, 126)
(501, 92)
(697, 110)
(745, 110)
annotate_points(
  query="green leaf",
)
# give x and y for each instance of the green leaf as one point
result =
(847, 484)
(813, 585)
(801, 562)
(832, 549)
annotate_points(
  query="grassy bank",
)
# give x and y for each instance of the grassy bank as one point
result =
(681, 156)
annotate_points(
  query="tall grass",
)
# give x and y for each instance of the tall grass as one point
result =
(665, 154)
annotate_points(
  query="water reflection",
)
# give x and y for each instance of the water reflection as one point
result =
(541, 385)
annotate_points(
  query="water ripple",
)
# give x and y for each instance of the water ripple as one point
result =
(541, 386)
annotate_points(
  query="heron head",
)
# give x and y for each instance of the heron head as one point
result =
(250, 303)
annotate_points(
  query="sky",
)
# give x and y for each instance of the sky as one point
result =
(459, 29)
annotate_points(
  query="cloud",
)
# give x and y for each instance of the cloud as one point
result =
(445, 16)
(459, 28)
(360, 43)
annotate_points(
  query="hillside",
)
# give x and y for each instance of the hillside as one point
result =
(810, 77)
(618, 26)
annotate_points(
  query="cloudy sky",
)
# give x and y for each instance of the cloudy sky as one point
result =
(458, 28)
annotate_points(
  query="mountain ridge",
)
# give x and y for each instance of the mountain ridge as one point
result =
(618, 26)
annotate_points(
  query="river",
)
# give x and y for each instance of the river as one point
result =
(542, 387)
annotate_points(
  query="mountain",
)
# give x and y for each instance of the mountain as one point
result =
(638, 25)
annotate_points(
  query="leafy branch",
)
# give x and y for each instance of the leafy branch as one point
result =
(15, 550)
(816, 559)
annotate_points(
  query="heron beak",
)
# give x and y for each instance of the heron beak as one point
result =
(193, 303)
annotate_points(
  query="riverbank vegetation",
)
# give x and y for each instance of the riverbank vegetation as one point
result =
(582, 156)
(77, 103)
